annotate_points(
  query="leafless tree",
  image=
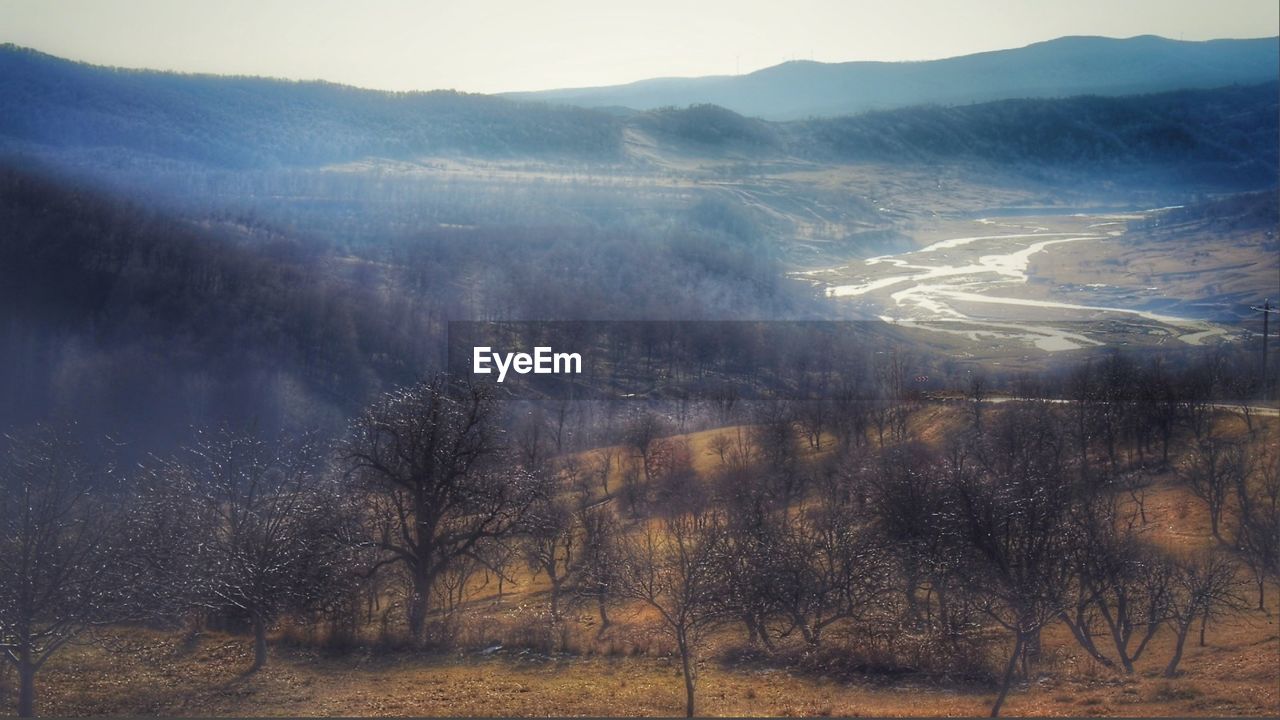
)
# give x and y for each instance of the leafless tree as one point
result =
(604, 467)
(1011, 516)
(774, 435)
(428, 461)
(831, 570)
(65, 565)
(1256, 534)
(1203, 587)
(907, 497)
(813, 415)
(1159, 395)
(673, 568)
(601, 558)
(641, 435)
(271, 533)
(1195, 392)
(754, 559)
(551, 539)
(1122, 585)
(851, 407)
(977, 392)
(1214, 470)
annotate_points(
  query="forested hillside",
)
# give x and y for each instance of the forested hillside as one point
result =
(143, 324)
(256, 122)
(1226, 136)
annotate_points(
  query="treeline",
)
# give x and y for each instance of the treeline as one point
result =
(840, 529)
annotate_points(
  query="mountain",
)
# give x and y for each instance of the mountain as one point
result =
(62, 111)
(1056, 68)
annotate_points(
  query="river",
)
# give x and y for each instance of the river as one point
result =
(977, 286)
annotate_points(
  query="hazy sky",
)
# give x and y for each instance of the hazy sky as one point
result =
(482, 46)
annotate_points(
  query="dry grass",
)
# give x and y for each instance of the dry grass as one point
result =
(147, 673)
(570, 669)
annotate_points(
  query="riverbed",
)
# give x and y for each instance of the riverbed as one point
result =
(979, 286)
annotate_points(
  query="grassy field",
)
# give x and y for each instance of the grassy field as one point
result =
(155, 673)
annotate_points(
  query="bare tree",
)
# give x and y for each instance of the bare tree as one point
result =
(1160, 404)
(813, 415)
(641, 435)
(601, 558)
(551, 543)
(1011, 517)
(270, 533)
(1203, 587)
(604, 468)
(1213, 471)
(64, 553)
(673, 568)
(831, 571)
(755, 558)
(907, 497)
(427, 458)
(1256, 533)
(850, 410)
(1122, 585)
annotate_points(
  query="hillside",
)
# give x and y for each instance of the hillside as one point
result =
(1224, 136)
(1057, 68)
(241, 122)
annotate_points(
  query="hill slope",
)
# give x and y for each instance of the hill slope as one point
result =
(246, 122)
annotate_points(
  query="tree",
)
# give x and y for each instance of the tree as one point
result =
(1121, 584)
(755, 559)
(1213, 472)
(603, 468)
(65, 565)
(673, 568)
(908, 495)
(428, 461)
(641, 436)
(1203, 587)
(601, 558)
(551, 543)
(270, 533)
(1010, 513)
(832, 571)
(1257, 529)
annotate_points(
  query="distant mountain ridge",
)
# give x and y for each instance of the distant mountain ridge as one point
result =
(1056, 68)
(106, 119)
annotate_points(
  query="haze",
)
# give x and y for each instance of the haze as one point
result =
(505, 46)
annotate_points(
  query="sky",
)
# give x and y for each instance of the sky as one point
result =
(490, 46)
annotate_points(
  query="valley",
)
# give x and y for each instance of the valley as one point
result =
(945, 397)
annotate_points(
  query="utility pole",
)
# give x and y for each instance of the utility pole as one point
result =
(1266, 311)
